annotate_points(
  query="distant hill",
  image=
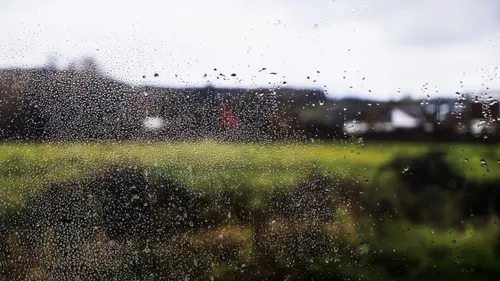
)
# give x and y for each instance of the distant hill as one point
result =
(38, 104)
(81, 103)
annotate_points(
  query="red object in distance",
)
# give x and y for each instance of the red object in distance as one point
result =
(228, 117)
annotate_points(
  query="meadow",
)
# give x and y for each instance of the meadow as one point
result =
(254, 211)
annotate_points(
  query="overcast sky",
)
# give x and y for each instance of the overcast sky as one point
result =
(388, 47)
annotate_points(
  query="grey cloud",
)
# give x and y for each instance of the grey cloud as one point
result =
(415, 23)
(385, 40)
(444, 22)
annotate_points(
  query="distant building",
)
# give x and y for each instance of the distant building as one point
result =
(153, 123)
(228, 117)
(397, 118)
(401, 119)
(356, 127)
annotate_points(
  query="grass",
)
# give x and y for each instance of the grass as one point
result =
(209, 165)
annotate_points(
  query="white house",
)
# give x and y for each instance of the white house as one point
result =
(356, 127)
(401, 119)
(397, 118)
(153, 123)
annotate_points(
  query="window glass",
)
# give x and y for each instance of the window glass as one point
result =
(249, 140)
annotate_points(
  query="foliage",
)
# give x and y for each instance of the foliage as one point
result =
(201, 210)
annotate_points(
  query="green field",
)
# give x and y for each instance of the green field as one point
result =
(360, 241)
(213, 165)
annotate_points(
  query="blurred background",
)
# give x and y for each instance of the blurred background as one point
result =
(253, 140)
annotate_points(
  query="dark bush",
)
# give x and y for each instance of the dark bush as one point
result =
(317, 198)
(429, 190)
(58, 231)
